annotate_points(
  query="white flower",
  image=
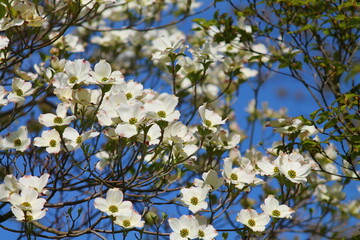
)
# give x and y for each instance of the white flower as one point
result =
(253, 220)
(49, 139)
(28, 216)
(237, 176)
(19, 90)
(295, 172)
(152, 136)
(209, 118)
(60, 119)
(165, 46)
(102, 74)
(132, 115)
(36, 183)
(104, 160)
(163, 108)
(175, 132)
(113, 205)
(210, 179)
(75, 140)
(17, 140)
(3, 93)
(208, 52)
(274, 209)
(195, 198)
(75, 72)
(131, 89)
(9, 187)
(130, 219)
(4, 42)
(187, 227)
(27, 200)
(206, 231)
(267, 167)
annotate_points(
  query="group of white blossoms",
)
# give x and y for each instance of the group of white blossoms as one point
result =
(126, 109)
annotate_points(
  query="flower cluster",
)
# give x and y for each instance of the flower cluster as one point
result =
(121, 212)
(293, 166)
(190, 227)
(25, 196)
(271, 208)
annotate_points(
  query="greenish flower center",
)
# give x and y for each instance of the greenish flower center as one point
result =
(208, 123)
(73, 79)
(113, 209)
(292, 173)
(276, 213)
(201, 234)
(26, 204)
(161, 114)
(194, 201)
(17, 142)
(52, 143)
(58, 120)
(234, 177)
(19, 92)
(251, 222)
(79, 140)
(129, 96)
(184, 232)
(126, 223)
(104, 79)
(276, 170)
(133, 120)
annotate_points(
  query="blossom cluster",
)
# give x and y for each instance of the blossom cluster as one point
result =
(25, 196)
(120, 211)
(271, 208)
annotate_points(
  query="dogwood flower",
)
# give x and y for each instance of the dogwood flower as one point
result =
(113, 205)
(130, 219)
(208, 52)
(184, 228)
(152, 136)
(102, 74)
(75, 140)
(272, 208)
(75, 72)
(34, 182)
(131, 89)
(3, 93)
(132, 115)
(28, 216)
(27, 200)
(165, 46)
(163, 108)
(253, 220)
(60, 119)
(18, 140)
(267, 167)
(210, 179)
(295, 172)
(49, 139)
(9, 187)
(4, 42)
(104, 160)
(195, 197)
(175, 132)
(206, 231)
(209, 118)
(237, 176)
(19, 90)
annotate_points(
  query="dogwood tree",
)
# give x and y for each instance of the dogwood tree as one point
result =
(119, 121)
